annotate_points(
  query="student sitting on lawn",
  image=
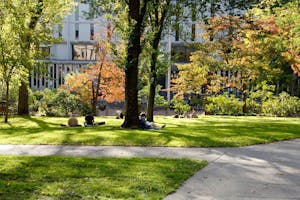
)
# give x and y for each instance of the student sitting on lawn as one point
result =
(89, 121)
(73, 121)
(144, 124)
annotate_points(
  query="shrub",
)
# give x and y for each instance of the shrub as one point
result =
(283, 105)
(224, 105)
(260, 94)
(180, 107)
(253, 107)
(57, 103)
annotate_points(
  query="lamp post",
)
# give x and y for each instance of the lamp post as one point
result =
(168, 78)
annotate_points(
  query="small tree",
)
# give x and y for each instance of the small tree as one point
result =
(91, 88)
(34, 20)
(10, 51)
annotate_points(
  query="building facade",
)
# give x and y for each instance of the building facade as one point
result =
(75, 51)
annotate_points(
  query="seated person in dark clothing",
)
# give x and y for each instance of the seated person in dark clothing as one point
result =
(144, 124)
(89, 121)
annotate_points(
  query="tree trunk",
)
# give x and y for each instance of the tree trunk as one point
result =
(94, 107)
(23, 106)
(132, 61)
(159, 23)
(244, 98)
(151, 99)
(131, 100)
(6, 103)
(23, 100)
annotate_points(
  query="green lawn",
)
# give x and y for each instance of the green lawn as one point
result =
(206, 131)
(91, 178)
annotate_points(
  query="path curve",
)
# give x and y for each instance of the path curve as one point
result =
(269, 171)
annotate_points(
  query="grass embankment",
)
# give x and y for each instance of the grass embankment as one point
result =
(92, 178)
(206, 131)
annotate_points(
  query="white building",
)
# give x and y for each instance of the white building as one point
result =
(75, 51)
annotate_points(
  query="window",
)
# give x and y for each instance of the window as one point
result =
(194, 18)
(92, 31)
(60, 30)
(193, 32)
(181, 52)
(76, 31)
(83, 52)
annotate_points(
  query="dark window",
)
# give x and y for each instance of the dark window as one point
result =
(193, 32)
(60, 30)
(76, 31)
(34, 78)
(54, 76)
(181, 52)
(194, 19)
(92, 31)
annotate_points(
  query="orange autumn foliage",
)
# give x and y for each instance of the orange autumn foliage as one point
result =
(111, 85)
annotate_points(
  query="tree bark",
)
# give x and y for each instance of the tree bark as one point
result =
(153, 70)
(23, 100)
(23, 105)
(244, 98)
(136, 14)
(6, 102)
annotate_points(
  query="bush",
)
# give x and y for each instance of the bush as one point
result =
(56, 103)
(224, 105)
(254, 107)
(180, 107)
(283, 105)
(261, 93)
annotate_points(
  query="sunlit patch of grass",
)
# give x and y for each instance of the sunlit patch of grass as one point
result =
(92, 178)
(205, 131)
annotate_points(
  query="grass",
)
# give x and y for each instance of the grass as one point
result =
(92, 178)
(206, 131)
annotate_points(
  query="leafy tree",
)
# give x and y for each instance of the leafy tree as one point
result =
(136, 15)
(35, 21)
(158, 15)
(230, 60)
(10, 51)
(278, 36)
(84, 85)
(164, 16)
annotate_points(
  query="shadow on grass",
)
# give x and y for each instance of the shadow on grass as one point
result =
(84, 178)
(196, 133)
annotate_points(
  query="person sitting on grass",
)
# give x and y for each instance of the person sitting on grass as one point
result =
(144, 124)
(89, 121)
(73, 121)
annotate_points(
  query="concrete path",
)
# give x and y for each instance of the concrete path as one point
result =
(256, 172)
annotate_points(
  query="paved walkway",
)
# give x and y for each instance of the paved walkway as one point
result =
(256, 172)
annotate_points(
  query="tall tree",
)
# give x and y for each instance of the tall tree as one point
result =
(37, 19)
(137, 12)
(10, 50)
(158, 15)
(278, 36)
(230, 60)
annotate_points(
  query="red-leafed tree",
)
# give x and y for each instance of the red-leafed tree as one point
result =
(97, 82)
(103, 81)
